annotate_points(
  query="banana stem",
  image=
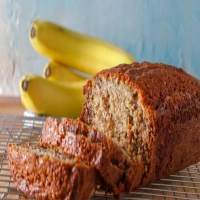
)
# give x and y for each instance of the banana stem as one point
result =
(24, 85)
(47, 72)
(33, 32)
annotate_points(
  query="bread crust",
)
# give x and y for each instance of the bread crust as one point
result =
(75, 138)
(171, 97)
(45, 177)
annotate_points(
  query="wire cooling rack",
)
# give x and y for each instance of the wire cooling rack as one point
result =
(14, 128)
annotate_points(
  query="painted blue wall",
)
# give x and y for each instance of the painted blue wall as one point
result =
(158, 31)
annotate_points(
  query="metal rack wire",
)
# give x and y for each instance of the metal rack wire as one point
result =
(14, 128)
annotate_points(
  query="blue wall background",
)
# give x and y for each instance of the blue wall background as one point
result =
(158, 31)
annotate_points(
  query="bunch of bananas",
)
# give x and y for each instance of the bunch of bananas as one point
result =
(74, 58)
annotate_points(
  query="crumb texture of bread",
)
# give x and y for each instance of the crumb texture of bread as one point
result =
(46, 174)
(151, 110)
(74, 138)
(140, 122)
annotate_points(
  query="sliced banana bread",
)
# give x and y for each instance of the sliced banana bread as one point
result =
(46, 174)
(152, 111)
(74, 138)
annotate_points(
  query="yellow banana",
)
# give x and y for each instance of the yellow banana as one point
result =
(81, 52)
(45, 97)
(55, 71)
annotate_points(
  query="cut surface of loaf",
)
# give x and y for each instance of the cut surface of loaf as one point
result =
(74, 138)
(46, 174)
(151, 110)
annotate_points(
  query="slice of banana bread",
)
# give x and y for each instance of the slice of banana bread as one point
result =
(74, 138)
(46, 174)
(152, 111)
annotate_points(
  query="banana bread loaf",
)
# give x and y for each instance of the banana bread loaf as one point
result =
(152, 111)
(46, 174)
(74, 138)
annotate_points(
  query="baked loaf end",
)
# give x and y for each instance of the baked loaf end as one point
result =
(46, 174)
(151, 110)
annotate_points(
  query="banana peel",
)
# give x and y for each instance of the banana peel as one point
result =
(55, 71)
(45, 97)
(79, 51)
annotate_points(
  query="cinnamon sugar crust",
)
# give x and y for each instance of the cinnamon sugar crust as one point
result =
(45, 174)
(151, 110)
(74, 138)
(140, 123)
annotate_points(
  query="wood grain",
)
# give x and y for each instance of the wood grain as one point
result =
(11, 105)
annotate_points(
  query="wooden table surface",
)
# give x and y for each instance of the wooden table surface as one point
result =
(11, 105)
